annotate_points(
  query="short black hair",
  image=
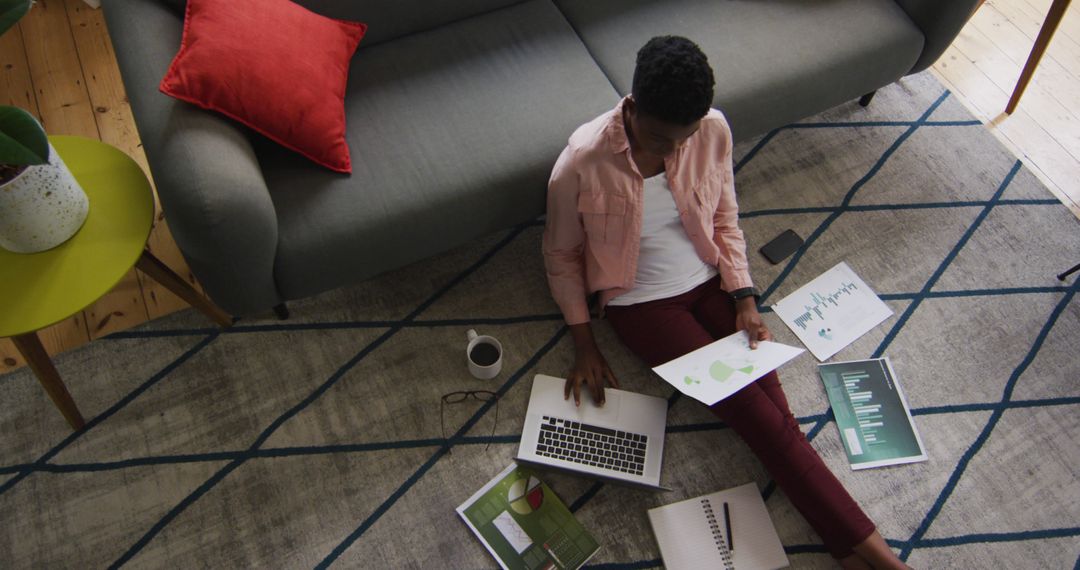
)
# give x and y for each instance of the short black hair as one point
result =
(672, 80)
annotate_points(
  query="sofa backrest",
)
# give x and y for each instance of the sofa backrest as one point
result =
(389, 19)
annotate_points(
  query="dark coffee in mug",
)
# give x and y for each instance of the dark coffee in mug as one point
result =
(484, 354)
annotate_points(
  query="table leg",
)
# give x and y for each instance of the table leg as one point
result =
(161, 273)
(30, 346)
(1053, 18)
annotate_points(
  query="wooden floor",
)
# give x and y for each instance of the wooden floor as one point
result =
(982, 66)
(59, 64)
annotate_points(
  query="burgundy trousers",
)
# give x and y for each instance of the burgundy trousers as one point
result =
(659, 331)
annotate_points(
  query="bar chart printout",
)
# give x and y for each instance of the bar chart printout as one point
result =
(832, 311)
(871, 413)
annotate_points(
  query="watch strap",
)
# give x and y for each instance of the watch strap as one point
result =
(744, 293)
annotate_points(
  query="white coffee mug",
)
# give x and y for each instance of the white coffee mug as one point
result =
(484, 355)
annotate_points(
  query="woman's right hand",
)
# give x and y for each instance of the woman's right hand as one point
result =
(590, 367)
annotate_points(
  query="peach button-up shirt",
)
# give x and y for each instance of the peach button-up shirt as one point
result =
(594, 211)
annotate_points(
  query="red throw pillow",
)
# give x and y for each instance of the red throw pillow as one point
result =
(272, 65)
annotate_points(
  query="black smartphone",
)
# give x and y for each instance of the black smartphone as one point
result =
(781, 246)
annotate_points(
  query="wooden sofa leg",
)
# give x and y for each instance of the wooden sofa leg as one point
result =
(282, 311)
(865, 99)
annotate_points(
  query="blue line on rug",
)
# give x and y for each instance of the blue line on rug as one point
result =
(992, 292)
(486, 439)
(974, 227)
(859, 124)
(757, 148)
(989, 407)
(586, 496)
(382, 509)
(892, 207)
(846, 202)
(916, 538)
(344, 325)
(1000, 537)
(175, 511)
(112, 410)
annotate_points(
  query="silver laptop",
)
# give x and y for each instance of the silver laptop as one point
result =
(622, 441)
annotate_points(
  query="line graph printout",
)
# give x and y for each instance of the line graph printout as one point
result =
(833, 310)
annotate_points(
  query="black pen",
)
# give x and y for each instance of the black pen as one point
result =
(727, 525)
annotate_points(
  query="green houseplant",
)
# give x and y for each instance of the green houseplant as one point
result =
(41, 204)
(22, 140)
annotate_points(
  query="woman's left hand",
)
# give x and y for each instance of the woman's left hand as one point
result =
(747, 318)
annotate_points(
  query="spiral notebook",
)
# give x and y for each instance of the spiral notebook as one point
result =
(694, 533)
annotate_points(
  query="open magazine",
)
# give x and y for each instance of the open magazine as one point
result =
(524, 525)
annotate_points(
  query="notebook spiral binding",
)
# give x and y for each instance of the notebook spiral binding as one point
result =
(718, 535)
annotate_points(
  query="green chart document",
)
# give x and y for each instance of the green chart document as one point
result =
(524, 525)
(871, 413)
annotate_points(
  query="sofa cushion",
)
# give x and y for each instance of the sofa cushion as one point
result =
(453, 134)
(272, 65)
(775, 61)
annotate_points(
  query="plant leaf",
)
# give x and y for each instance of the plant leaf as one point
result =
(11, 11)
(22, 140)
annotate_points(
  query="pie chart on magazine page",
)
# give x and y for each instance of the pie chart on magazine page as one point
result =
(526, 496)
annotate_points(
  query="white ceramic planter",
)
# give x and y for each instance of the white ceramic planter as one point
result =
(42, 207)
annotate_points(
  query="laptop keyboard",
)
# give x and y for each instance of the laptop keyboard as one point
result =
(592, 445)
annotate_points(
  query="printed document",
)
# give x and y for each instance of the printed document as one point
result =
(718, 370)
(832, 311)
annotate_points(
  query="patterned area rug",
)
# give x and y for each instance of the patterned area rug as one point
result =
(317, 441)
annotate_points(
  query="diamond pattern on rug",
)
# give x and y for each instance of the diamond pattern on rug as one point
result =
(1013, 233)
(1043, 379)
(256, 518)
(31, 411)
(1025, 463)
(998, 552)
(105, 511)
(217, 409)
(962, 371)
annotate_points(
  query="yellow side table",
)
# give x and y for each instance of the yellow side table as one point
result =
(42, 289)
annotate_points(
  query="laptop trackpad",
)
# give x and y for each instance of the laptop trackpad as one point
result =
(590, 413)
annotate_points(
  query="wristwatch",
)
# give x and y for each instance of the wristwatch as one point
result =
(744, 293)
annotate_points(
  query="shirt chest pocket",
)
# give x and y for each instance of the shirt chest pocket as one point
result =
(603, 215)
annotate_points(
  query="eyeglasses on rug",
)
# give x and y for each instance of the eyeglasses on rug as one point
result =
(458, 397)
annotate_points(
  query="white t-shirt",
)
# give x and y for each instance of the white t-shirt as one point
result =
(668, 265)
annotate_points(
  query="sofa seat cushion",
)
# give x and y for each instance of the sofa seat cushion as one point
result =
(775, 60)
(453, 133)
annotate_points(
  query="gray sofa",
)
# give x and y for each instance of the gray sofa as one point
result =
(456, 111)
